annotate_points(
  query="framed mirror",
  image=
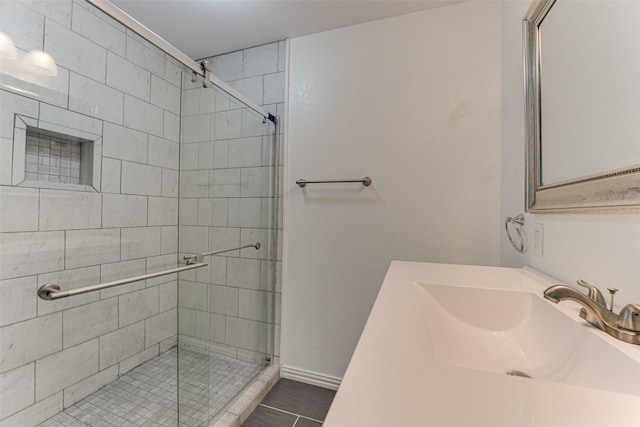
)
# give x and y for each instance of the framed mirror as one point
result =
(582, 95)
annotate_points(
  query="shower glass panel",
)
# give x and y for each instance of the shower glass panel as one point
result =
(226, 202)
(93, 135)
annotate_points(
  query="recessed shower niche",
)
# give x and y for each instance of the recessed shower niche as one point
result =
(54, 155)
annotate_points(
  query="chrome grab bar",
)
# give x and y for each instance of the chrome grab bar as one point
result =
(51, 291)
(366, 181)
(199, 257)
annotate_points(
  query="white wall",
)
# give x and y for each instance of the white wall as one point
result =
(601, 249)
(413, 102)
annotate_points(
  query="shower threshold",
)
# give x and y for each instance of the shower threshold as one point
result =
(147, 395)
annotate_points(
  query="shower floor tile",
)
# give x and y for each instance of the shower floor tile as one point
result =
(147, 395)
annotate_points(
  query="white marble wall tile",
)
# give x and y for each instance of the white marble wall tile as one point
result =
(220, 154)
(224, 238)
(136, 306)
(6, 160)
(159, 263)
(35, 414)
(282, 55)
(169, 242)
(89, 321)
(252, 235)
(246, 334)
(69, 210)
(71, 120)
(137, 359)
(251, 87)
(168, 296)
(274, 85)
(219, 212)
(161, 327)
(58, 10)
(189, 156)
(67, 280)
(261, 60)
(186, 321)
(91, 384)
(23, 25)
(121, 210)
(173, 71)
(169, 183)
(163, 211)
(65, 368)
(141, 242)
(252, 124)
(165, 95)
(202, 325)
(30, 340)
(229, 66)
(243, 273)
(141, 53)
(163, 152)
(205, 155)
(218, 268)
(223, 100)
(89, 97)
(253, 305)
(194, 183)
(128, 77)
(111, 169)
(123, 143)
(193, 239)
(208, 100)
(23, 254)
(18, 300)
(171, 129)
(122, 270)
(189, 211)
(18, 209)
(223, 300)
(245, 152)
(11, 104)
(142, 116)
(204, 212)
(75, 52)
(217, 326)
(193, 295)
(16, 390)
(191, 102)
(121, 344)
(254, 182)
(245, 212)
(96, 29)
(92, 247)
(141, 179)
(227, 124)
(196, 128)
(226, 183)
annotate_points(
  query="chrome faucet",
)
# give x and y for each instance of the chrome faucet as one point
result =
(624, 326)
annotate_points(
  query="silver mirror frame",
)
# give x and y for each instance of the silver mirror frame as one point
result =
(616, 191)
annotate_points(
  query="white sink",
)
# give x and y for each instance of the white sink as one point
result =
(518, 332)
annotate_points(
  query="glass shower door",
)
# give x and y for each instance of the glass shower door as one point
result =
(227, 212)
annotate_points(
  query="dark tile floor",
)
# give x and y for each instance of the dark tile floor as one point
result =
(292, 404)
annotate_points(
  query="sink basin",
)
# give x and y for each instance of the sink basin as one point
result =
(519, 333)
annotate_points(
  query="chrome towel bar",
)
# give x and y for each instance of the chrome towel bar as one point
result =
(51, 291)
(199, 257)
(366, 181)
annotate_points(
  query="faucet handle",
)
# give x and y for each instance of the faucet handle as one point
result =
(593, 293)
(629, 317)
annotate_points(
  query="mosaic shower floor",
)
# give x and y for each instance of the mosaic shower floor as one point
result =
(147, 395)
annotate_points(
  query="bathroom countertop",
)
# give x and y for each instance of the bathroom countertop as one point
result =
(394, 381)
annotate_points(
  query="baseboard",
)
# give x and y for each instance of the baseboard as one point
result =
(312, 378)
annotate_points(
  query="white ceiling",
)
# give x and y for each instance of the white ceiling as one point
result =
(203, 28)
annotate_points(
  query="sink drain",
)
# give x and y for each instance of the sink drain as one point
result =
(517, 373)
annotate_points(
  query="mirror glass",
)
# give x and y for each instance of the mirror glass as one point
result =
(590, 88)
(582, 95)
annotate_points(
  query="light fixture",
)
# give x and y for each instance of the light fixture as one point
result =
(7, 48)
(41, 63)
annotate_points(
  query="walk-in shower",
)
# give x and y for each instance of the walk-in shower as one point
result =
(138, 225)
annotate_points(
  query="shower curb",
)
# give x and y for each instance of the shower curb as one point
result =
(250, 398)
